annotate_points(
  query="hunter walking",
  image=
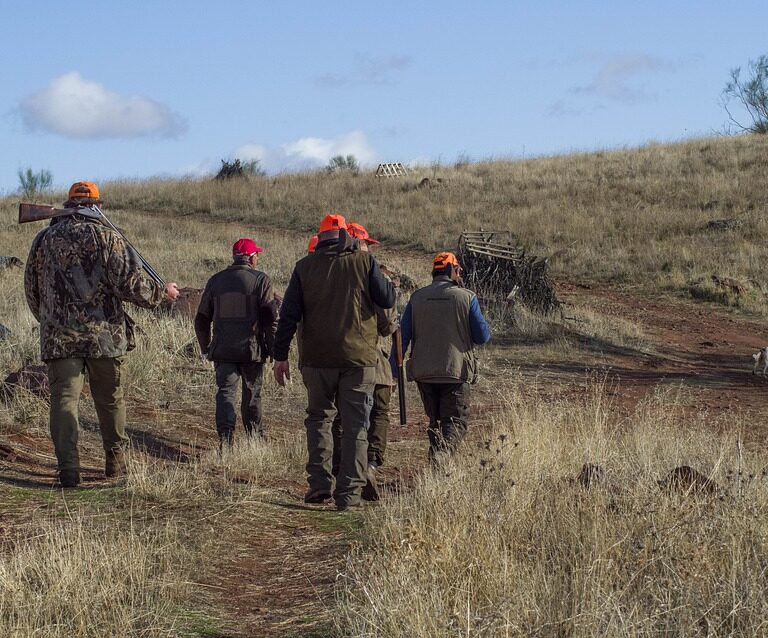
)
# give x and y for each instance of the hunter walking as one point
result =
(386, 325)
(442, 323)
(78, 274)
(333, 292)
(241, 304)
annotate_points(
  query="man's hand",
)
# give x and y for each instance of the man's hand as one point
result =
(171, 291)
(282, 372)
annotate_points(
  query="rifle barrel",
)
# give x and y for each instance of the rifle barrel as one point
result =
(400, 376)
(144, 263)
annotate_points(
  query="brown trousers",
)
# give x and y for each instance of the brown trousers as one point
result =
(350, 390)
(66, 378)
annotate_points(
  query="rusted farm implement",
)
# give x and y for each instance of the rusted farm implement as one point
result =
(501, 272)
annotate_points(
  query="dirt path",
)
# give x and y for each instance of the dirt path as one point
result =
(699, 345)
(274, 572)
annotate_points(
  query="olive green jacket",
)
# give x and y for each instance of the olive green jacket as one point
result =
(333, 293)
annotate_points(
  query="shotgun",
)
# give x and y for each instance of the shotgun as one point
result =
(38, 212)
(398, 339)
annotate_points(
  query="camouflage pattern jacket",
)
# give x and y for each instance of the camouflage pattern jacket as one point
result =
(78, 274)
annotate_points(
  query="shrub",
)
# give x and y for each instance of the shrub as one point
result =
(341, 163)
(751, 92)
(33, 183)
(238, 168)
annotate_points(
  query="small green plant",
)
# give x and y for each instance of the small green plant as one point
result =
(33, 183)
(342, 163)
(253, 168)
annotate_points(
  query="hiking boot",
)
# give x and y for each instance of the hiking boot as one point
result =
(316, 498)
(346, 507)
(69, 478)
(226, 441)
(371, 489)
(115, 465)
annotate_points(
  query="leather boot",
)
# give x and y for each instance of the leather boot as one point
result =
(115, 464)
(69, 478)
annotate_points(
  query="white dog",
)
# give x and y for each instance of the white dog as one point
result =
(761, 359)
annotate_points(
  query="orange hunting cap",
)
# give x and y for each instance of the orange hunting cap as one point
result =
(358, 232)
(443, 260)
(84, 189)
(313, 244)
(333, 222)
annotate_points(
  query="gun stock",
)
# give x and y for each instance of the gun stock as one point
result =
(400, 375)
(39, 212)
(36, 212)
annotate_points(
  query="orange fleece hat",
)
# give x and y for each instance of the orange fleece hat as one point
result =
(84, 189)
(358, 232)
(445, 259)
(333, 222)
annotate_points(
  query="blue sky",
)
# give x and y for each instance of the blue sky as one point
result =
(103, 90)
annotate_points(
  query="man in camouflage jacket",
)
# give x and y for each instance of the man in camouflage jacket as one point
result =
(78, 274)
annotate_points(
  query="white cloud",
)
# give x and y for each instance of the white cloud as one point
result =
(367, 71)
(614, 79)
(308, 152)
(72, 106)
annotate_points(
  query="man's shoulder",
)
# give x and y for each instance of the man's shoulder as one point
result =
(445, 289)
(232, 273)
(82, 228)
(77, 237)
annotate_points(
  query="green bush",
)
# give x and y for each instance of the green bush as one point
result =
(32, 184)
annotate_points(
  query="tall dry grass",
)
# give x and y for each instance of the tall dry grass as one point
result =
(87, 579)
(635, 215)
(504, 541)
(243, 471)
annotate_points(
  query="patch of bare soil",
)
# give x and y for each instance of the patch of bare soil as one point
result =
(700, 346)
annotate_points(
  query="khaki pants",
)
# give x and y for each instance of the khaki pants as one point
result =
(66, 380)
(351, 391)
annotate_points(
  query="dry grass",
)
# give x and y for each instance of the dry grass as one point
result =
(88, 579)
(634, 215)
(502, 542)
(241, 472)
(505, 542)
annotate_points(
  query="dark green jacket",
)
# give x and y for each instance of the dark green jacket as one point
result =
(332, 293)
(242, 306)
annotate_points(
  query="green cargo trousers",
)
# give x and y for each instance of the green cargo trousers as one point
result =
(66, 379)
(377, 430)
(351, 391)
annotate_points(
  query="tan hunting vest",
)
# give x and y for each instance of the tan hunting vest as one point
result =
(441, 340)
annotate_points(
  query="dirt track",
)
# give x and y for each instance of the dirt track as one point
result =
(276, 574)
(699, 345)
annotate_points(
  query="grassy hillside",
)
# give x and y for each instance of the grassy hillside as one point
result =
(195, 544)
(634, 215)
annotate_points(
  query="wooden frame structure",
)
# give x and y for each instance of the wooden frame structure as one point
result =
(391, 169)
